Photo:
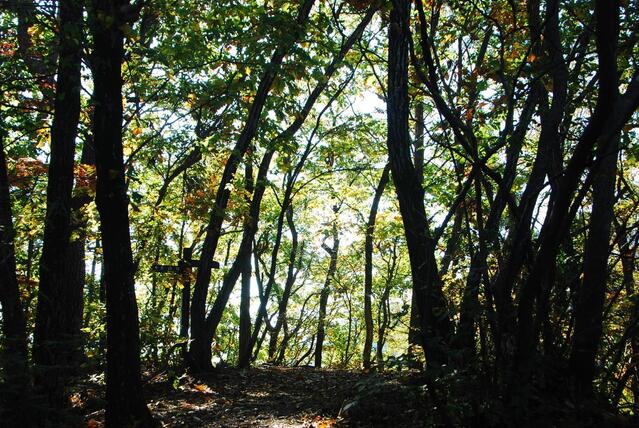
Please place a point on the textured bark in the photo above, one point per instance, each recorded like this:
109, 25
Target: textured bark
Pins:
125, 403
14, 358
434, 318
57, 333
368, 267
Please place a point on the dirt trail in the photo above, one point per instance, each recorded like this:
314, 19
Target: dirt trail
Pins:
256, 397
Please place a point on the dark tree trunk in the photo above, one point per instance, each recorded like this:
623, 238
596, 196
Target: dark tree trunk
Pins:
435, 321
185, 309
244, 351
591, 295
198, 356
605, 122
125, 403
288, 286
57, 333
413, 331
203, 343
368, 268
332, 267
245, 318
15, 387
628, 252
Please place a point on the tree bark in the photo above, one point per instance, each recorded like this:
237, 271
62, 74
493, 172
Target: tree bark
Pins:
434, 318
125, 402
57, 333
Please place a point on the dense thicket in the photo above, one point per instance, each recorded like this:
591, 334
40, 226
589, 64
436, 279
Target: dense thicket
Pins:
435, 185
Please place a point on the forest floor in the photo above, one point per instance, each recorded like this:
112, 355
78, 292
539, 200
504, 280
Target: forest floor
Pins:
270, 397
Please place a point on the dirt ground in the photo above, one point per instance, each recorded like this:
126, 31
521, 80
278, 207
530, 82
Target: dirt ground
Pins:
257, 397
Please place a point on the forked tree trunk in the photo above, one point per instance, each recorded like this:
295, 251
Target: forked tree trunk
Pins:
435, 321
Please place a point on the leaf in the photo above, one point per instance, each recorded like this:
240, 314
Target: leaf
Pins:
203, 388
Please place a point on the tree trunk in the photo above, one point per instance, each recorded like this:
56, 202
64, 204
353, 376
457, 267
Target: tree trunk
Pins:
555, 226
413, 330
125, 403
288, 286
332, 267
76, 259
56, 333
198, 355
245, 298
591, 295
434, 318
14, 361
245, 318
202, 343
368, 268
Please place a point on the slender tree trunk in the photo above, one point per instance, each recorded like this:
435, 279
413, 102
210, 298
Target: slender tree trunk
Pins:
125, 402
592, 293
434, 318
56, 330
368, 267
414, 331
288, 286
76, 258
245, 318
289, 133
203, 342
628, 252
198, 355
245, 298
14, 360
332, 267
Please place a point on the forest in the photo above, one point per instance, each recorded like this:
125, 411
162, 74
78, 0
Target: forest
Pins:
319, 213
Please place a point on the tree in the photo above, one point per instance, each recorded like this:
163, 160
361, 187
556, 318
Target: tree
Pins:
125, 402
57, 330
434, 317
368, 268
15, 387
